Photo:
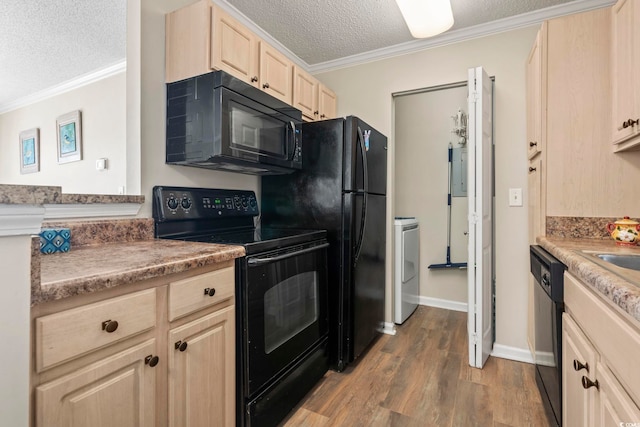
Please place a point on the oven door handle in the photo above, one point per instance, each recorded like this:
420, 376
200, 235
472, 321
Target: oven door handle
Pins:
255, 262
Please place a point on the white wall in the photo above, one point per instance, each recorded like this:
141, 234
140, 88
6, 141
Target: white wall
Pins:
14, 332
422, 134
154, 171
365, 90
103, 135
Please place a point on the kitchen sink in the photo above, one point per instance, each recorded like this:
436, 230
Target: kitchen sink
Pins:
621, 263
625, 261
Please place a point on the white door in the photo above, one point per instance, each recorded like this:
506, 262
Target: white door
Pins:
480, 195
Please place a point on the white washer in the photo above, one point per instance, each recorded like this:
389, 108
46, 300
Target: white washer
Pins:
407, 267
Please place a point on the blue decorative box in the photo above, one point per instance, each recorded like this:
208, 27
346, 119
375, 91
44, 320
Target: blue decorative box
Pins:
55, 240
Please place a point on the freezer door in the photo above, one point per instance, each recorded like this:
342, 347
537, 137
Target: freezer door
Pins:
311, 197
365, 291
365, 158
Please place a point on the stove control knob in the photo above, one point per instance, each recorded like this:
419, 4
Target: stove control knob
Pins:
252, 203
244, 203
172, 203
186, 202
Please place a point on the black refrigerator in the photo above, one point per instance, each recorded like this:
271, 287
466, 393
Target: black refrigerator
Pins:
342, 189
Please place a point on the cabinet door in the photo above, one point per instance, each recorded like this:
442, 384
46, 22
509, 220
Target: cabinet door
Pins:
625, 59
305, 94
615, 407
535, 205
234, 48
578, 404
534, 87
276, 72
202, 373
117, 391
326, 103
187, 42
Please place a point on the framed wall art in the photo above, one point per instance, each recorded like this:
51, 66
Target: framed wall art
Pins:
30, 151
69, 132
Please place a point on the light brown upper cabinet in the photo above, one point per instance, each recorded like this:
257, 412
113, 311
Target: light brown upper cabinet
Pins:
202, 37
536, 94
315, 100
625, 85
234, 48
276, 73
326, 102
305, 93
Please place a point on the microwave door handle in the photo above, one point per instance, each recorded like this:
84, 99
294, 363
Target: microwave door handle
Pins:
254, 262
292, 142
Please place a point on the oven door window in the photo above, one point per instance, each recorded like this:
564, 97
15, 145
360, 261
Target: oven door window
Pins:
285, 312
289, 308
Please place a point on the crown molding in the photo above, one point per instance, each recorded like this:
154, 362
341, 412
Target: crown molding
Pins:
231, 10
20, 220
67, 86
477, 31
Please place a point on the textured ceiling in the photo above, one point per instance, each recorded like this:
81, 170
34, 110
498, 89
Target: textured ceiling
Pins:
44, 43
324, 30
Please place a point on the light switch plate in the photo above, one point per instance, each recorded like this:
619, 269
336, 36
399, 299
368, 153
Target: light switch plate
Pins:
515, 197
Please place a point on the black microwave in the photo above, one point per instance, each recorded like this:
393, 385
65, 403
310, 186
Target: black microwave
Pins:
217, 121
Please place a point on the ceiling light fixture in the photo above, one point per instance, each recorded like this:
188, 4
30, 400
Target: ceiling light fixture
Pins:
426, 18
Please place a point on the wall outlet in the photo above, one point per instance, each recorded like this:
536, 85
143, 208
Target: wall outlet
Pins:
515, 197
121, 190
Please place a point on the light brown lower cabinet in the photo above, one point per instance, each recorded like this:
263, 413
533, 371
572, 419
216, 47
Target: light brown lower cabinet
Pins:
202, 371
117, 391
600, 372
138, 369
579, 359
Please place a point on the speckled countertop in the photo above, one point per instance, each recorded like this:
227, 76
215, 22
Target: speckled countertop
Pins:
105, 253
619, 285
96, 267
41, 194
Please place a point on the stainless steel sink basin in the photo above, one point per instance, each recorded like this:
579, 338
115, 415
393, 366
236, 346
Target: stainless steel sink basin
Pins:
625, 261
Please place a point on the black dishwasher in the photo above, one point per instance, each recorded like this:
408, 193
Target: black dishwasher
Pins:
548, 304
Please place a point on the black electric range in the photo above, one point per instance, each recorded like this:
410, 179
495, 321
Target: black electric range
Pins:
281, 295
220, 216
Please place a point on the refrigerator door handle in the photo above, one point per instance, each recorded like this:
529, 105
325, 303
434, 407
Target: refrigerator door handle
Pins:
365, 170
363, 220
363, 223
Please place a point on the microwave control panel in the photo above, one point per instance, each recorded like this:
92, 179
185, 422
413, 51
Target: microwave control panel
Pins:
171, 203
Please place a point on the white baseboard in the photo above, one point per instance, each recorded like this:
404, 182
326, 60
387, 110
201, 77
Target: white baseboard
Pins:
512, 353
389, 328
545, 358
443, 303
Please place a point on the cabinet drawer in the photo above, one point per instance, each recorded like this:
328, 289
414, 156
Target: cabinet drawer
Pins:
68, 334
188, 295
616, 340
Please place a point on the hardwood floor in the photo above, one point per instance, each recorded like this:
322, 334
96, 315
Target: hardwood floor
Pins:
421, 377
